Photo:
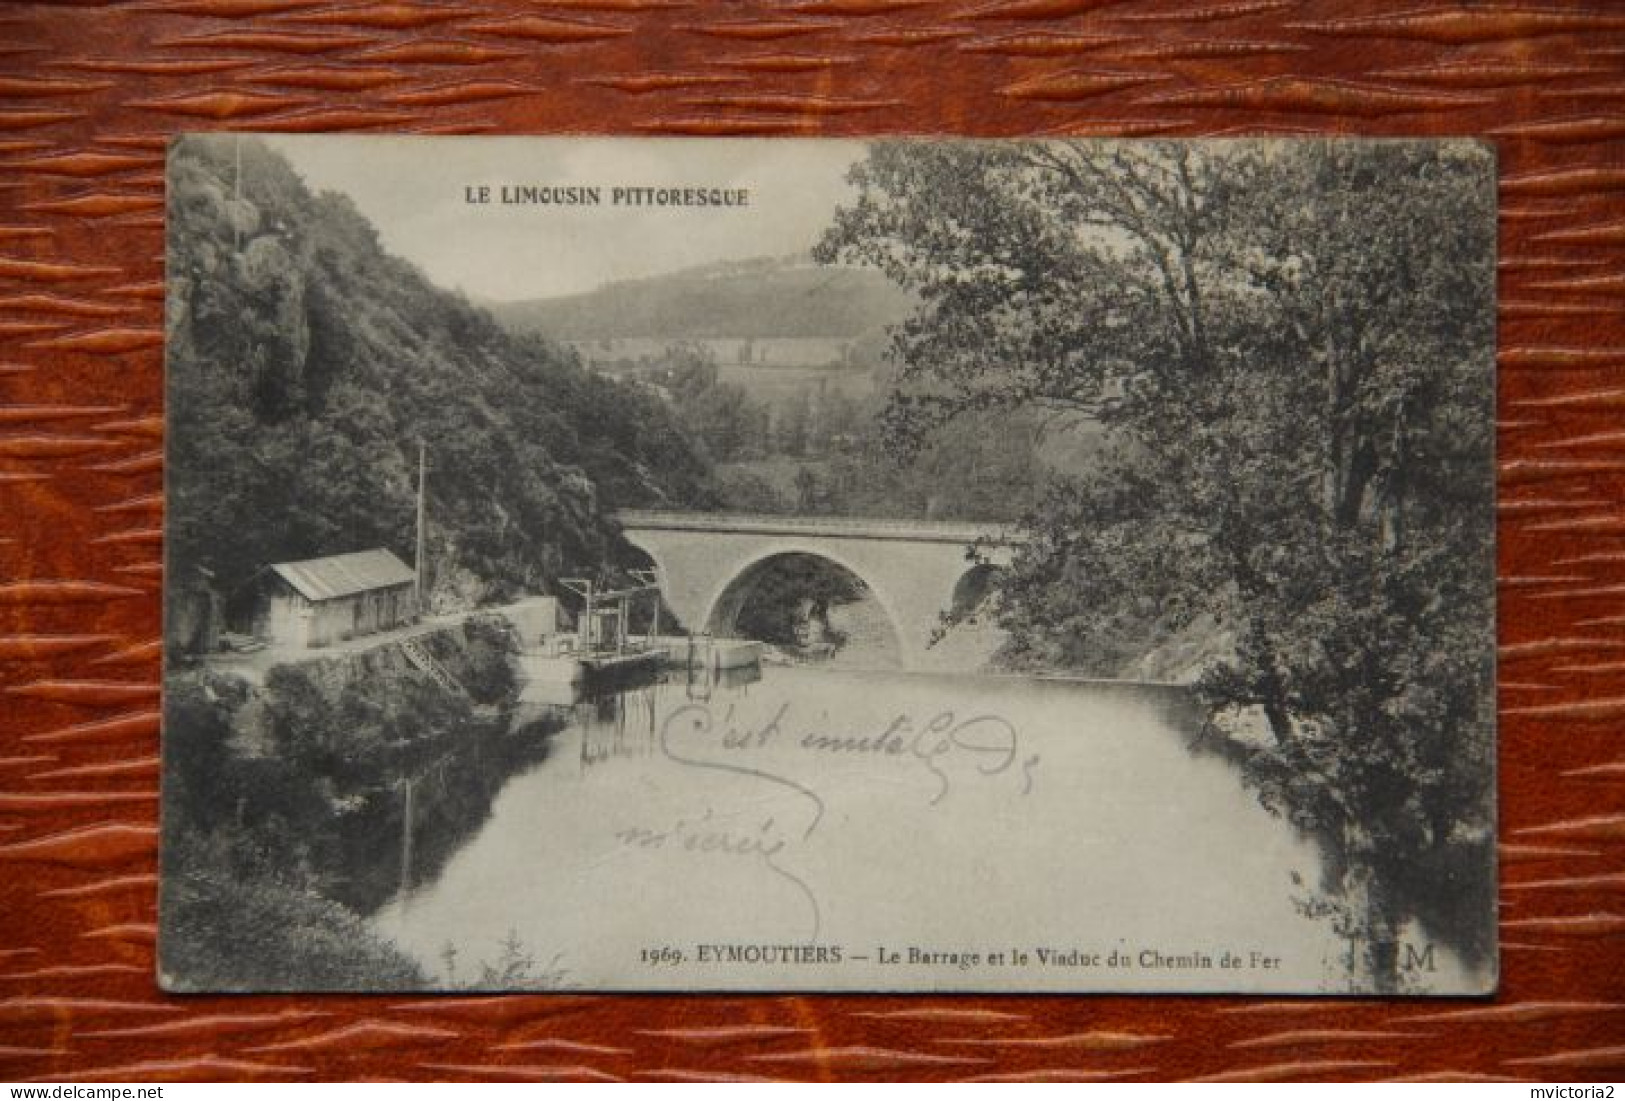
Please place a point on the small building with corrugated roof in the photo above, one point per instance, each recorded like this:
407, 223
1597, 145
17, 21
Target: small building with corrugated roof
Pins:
319, 601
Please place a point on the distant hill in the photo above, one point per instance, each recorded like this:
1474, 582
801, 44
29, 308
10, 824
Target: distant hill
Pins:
785, 296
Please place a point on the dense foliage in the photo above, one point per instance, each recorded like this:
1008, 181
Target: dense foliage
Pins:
306, 365
827, 454
227, 933
285, 806
1289, 346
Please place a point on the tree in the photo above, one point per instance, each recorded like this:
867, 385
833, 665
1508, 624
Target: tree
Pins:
722, 416
1289, 347
796, 425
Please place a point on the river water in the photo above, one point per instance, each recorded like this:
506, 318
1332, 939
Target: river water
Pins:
1000, 833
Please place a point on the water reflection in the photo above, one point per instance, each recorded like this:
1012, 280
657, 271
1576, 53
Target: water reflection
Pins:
853, 811
621, 719
617, 725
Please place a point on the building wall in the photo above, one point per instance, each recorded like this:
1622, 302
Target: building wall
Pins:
284, 621
288, 619
330, 621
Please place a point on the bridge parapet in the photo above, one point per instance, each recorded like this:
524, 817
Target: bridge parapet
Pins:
959, 532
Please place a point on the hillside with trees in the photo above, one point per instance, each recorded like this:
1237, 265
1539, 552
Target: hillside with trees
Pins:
765, 297
306, 365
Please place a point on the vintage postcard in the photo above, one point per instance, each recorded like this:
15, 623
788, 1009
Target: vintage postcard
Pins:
788, 565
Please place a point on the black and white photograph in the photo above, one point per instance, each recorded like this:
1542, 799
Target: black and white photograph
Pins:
901, 565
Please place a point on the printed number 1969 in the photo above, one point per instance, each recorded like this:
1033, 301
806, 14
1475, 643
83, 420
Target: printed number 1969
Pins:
665, 955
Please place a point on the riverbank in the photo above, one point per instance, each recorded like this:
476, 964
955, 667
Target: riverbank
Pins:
296, 806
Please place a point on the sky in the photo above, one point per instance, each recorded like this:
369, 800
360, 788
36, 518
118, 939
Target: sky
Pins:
415, 191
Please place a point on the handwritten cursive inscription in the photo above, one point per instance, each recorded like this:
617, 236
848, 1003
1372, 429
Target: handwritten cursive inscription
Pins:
706, 835
989, 742
697, 737
695, 721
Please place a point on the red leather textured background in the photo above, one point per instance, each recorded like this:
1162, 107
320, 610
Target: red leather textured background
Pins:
90, 93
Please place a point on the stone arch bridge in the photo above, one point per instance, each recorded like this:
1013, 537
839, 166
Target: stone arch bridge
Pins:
915, 569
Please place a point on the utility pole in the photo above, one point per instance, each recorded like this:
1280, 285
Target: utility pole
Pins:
419, 562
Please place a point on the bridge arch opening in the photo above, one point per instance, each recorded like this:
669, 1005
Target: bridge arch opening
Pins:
812, 605
972, 593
